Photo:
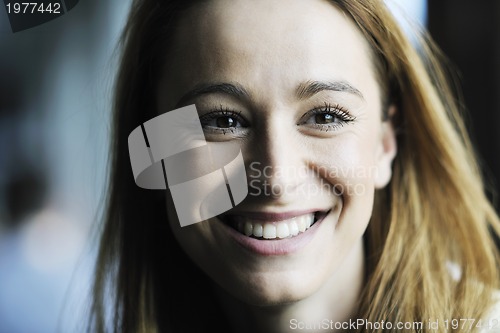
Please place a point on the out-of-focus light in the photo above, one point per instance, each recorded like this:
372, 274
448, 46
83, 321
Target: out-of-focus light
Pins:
51, 240
411, 14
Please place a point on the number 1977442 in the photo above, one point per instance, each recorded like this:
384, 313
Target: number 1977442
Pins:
33, 7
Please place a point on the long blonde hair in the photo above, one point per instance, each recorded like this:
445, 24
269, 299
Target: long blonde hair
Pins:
433, 216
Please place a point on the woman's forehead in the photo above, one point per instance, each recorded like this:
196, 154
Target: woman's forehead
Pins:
269, 44
220, 26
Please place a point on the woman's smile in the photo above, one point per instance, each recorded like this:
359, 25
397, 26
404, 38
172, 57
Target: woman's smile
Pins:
273, 233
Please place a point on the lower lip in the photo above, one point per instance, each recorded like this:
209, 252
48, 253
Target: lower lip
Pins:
274, 247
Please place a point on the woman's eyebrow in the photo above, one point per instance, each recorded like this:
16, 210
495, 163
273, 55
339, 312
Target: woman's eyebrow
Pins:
304, 90
310, 88
231, 89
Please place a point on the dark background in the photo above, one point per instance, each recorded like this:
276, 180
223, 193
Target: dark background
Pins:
469, 34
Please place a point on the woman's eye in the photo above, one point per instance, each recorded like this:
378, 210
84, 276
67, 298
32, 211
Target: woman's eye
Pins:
326, 118
226, 122
223, 121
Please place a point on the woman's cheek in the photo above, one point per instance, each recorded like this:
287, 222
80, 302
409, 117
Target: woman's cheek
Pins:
349, 169
348, 162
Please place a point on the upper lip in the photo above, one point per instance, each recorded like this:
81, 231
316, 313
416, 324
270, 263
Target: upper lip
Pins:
272, 216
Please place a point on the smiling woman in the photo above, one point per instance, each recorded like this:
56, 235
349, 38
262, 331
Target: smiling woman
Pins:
379, 217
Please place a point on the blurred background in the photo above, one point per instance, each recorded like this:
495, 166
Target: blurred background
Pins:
468, 32
55, 89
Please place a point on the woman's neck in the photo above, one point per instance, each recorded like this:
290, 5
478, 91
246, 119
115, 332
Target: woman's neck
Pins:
336, 301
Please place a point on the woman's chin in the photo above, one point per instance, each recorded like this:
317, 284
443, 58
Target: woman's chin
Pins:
269, 291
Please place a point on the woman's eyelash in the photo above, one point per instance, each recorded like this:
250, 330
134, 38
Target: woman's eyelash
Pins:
229, 120
220, 110
336, 110
337, 117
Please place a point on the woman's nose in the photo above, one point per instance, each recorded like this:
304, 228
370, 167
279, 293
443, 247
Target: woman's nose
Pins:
276, 161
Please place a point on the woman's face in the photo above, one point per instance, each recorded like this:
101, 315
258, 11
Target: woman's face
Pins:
292, 82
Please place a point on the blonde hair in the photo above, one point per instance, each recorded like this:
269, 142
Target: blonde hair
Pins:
433, 214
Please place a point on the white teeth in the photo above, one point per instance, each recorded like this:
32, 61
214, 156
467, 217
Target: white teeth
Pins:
248, 228
294, 228
282, 230
258, 230
301, 224
269, 231
309, 220
273, 230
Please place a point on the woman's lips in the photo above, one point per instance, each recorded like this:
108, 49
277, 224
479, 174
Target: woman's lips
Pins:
273, 233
